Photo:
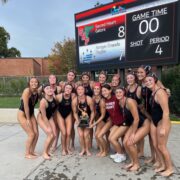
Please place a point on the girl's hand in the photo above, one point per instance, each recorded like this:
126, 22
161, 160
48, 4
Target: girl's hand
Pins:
28, 122
131, 139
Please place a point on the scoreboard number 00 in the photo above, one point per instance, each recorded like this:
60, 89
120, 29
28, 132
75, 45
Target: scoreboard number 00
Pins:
149, 26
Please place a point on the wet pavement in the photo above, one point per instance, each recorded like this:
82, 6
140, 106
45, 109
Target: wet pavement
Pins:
13, 165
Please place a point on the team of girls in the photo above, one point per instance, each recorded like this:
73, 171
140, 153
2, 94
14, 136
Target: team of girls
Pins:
126, 114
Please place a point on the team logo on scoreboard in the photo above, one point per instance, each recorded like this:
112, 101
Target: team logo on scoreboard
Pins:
84, 33
87, 57
117, 10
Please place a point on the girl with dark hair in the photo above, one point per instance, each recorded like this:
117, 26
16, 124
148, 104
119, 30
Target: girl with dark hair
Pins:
26, 116
101, 116
115, 82
137, 127
45, 119
64, 117
56, 90
102, 78
162, 125
83, 111
113, 108
70, 79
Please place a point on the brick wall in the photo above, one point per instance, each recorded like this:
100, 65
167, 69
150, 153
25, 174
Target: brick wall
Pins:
24, 67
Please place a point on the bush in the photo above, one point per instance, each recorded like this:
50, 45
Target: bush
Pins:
171, 80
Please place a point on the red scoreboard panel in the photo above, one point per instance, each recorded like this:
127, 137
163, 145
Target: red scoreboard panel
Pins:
128, 33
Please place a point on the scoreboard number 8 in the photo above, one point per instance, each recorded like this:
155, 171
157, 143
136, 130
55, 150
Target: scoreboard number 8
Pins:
121, 32
148, 26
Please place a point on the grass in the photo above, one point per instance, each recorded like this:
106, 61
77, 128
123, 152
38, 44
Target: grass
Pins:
11, 102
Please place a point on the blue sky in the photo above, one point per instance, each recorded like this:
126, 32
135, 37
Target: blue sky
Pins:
35, 25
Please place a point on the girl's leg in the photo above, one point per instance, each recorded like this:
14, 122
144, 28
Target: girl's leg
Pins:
72, 134
132, 149
159, 162
45, 126
162, 146
98, 129
115, 134
57, 131
87, 140
102, 132
36, 131
82, 141
54, 128
28, 128
62, 126
68, 122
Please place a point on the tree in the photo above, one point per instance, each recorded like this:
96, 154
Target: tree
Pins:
63, 57
4, 50
4, 1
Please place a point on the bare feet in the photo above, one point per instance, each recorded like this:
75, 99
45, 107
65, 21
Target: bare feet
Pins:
88, 153
30, 156
64, 153
128, 166
103, 154
167, 172
69, 152
46, 156
35, 154
99, 153
149, 160
140, 155
134, 168
159, 169
156, 164
82, 153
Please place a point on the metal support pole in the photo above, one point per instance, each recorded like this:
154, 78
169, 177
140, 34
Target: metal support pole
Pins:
159, 72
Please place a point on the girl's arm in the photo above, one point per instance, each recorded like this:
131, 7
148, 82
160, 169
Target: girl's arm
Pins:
91, 105
74, 109
162, 98
103, 112
42, 107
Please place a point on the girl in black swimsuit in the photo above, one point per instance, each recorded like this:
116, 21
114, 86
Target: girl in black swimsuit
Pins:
26, 116
139, 127
45, 119
101, 116
64, 115
161, 120
83, 111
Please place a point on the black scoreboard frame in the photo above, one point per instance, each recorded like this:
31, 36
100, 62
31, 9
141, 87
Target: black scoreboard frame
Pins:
133, 60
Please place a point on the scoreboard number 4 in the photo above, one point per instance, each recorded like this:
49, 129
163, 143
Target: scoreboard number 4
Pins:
159, 50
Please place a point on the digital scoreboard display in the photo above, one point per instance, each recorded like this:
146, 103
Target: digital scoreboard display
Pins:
128, 33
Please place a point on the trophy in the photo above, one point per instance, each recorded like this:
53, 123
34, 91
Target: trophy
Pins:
84, 118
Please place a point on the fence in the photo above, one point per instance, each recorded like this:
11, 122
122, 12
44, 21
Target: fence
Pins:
14, 86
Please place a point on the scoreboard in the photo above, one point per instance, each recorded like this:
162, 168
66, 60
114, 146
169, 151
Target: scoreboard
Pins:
128, 33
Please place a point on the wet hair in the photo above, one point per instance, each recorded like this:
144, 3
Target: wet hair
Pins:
107, 86
104, 73
131, 72
118, 76
79, 84
123, 89
153, 75
73, 71
147, 68
33, 77
66, 84
44, 86
86, 74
